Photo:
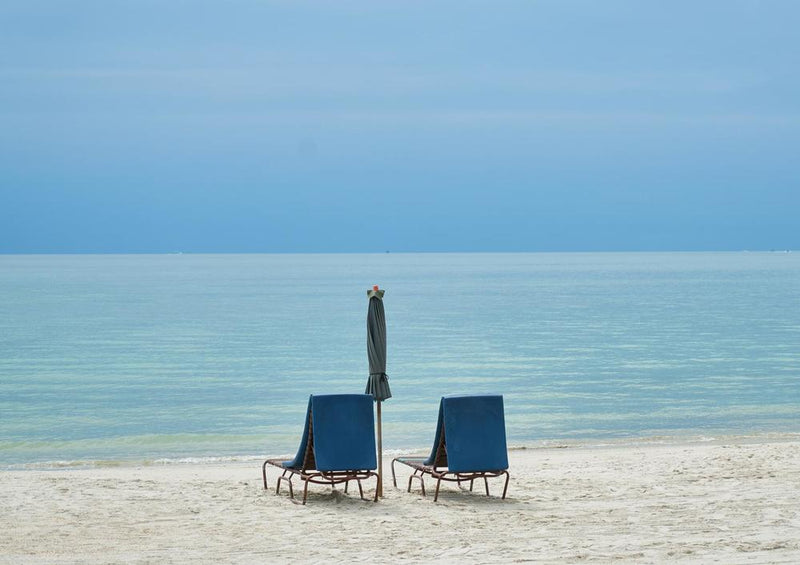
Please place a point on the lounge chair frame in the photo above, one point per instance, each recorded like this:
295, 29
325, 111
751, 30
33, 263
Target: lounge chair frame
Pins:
420, 470
440, 472
308, 474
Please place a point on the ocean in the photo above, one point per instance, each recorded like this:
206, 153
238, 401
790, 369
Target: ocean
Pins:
116, 359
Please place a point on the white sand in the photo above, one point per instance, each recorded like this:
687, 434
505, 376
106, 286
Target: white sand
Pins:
731, 502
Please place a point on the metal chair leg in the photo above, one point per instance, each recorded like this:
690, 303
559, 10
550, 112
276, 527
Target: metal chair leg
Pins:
421, 482
291, 486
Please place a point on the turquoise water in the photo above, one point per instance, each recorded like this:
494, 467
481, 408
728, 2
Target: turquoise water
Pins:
150, 357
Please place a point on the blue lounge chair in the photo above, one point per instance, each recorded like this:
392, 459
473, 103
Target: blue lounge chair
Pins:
338, 444
470, 444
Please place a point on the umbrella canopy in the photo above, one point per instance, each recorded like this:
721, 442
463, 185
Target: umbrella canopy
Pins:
378, 382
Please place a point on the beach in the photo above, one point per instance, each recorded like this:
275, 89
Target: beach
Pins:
730, 500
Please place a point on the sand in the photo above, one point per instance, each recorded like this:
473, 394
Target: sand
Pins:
731, 501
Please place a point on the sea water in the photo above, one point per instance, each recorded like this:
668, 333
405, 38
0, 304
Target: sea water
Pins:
147, 358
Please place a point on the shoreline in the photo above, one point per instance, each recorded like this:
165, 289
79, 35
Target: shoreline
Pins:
588, 443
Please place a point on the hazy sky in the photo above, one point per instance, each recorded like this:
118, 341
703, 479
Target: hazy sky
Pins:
291, 126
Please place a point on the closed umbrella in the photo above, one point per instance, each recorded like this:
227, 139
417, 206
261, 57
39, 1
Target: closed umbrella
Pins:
378, 382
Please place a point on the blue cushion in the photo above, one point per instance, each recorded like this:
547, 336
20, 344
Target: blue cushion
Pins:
344, 432
297, 462
431, 460
475, 433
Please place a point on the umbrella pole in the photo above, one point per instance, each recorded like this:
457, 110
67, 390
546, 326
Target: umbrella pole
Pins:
380, 453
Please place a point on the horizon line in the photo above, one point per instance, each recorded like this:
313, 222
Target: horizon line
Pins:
389, 252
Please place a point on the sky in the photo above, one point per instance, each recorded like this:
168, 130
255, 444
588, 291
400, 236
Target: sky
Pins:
404, 126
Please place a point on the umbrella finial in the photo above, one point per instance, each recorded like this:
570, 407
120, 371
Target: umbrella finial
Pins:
375, 287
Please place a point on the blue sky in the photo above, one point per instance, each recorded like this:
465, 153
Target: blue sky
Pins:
291, 126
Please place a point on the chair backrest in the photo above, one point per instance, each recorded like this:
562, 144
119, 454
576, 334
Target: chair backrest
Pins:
304, 459
343, 432
471, 431
438, 456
